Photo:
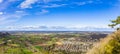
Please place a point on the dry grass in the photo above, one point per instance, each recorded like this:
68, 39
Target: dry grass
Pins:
105, 46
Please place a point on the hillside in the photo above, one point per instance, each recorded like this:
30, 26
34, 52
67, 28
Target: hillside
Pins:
108, 45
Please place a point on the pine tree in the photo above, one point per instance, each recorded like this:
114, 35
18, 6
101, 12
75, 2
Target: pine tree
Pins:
115, 23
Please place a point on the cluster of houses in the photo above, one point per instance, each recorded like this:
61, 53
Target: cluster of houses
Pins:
75, 45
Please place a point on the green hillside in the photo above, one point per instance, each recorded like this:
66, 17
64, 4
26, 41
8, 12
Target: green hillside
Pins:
110, 44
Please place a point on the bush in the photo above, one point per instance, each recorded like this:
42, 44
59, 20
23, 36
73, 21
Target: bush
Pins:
108, 45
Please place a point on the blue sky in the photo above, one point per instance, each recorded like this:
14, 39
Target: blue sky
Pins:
57, 14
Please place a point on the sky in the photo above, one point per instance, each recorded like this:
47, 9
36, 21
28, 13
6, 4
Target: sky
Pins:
78, 15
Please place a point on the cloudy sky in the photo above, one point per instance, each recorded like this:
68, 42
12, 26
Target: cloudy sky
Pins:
57, 14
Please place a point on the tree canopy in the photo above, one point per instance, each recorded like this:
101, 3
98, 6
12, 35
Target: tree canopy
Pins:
115, 22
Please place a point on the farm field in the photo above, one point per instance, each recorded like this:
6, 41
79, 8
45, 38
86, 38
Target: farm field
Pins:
48, 42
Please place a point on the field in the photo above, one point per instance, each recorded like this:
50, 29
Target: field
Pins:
48, 42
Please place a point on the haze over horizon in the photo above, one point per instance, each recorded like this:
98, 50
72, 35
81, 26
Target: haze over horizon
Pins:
47, 15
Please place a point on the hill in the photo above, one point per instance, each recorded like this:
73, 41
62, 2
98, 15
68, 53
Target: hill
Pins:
108, 45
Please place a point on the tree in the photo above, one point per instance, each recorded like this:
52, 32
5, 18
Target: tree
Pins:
115, 23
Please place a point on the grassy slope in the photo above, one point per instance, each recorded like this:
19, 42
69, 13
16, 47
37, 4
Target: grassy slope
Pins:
108, 45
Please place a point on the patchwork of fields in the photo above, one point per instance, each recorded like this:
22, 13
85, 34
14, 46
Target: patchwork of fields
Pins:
48, 43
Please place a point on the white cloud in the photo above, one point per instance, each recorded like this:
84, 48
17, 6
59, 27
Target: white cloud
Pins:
90, 1
84, 3
81, 3
1, 1
54, 5
56, 28
12, 0
43, 11
1, 13
8, 18
27, 3
46, 1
